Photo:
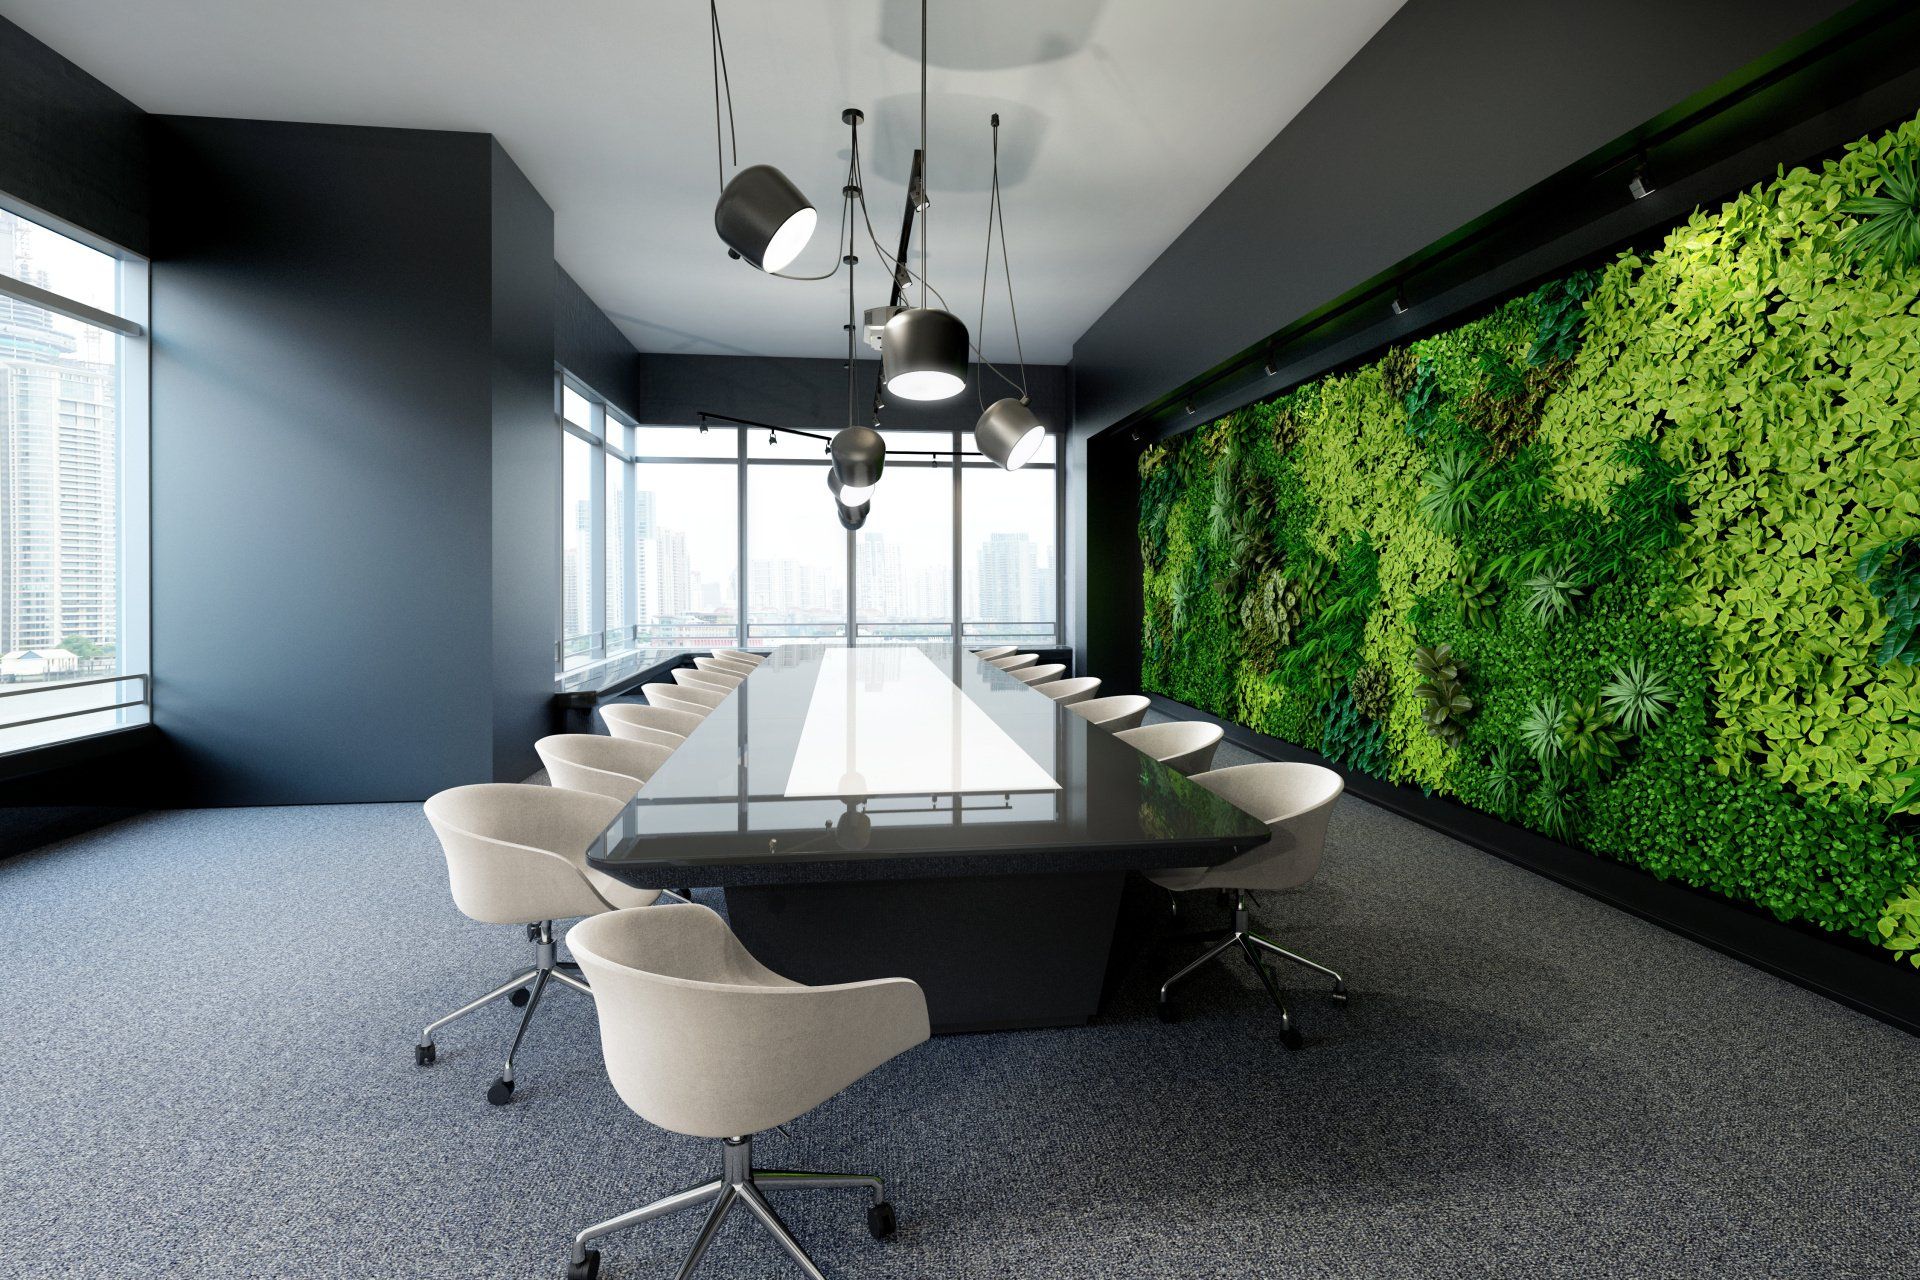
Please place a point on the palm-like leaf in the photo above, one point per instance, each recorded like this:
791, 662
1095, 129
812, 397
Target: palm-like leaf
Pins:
1588, 737
1551, 593
1636, 696
1540, 729
1889, 226
1449, 498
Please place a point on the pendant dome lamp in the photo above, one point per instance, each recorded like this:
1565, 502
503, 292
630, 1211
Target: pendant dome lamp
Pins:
923, 349
761, 216
1008, 432
852, 514
859, 452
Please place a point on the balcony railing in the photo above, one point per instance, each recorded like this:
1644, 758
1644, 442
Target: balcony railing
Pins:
38, 713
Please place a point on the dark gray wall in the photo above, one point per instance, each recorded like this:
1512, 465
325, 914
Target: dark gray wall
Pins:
812, 394
1452, 108
591, 347
327, 364
69, 144
526, 470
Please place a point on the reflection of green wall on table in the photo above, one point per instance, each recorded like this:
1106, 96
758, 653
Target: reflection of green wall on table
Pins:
1634, 504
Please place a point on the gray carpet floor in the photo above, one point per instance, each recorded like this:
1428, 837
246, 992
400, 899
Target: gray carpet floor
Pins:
207, 1070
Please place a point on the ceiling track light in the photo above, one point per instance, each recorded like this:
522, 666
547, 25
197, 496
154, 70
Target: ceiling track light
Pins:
1008, 431
760, 215
1399, 303
1640, 186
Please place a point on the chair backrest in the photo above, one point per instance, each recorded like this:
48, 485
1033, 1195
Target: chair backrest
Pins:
516, 854
1040, 674
1068, 692
701, 1039
1296, 801
997, 651
726, 665
1015, 661
699, 679
683, 697
741, 655
1115, 712
641, 723
1186, 745
612, 767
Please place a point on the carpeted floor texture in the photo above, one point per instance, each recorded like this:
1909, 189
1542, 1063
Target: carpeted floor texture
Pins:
207, 1071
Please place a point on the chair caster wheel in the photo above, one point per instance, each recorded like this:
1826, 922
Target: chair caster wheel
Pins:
500, 1092
519, 998
1338, 995
587, 1270
880, 1220
1291, 1038
1166, 1012
423, 1054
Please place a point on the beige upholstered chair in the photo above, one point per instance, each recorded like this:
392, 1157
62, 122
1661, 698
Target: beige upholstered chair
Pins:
1068, 692
1186, 745
729, 666
997, 651
517, 855
683, 697
741, 655
719, 681
702, 1040
640, 723
1015, 661
1120, 711
1041, 674
610, 767
1295, 801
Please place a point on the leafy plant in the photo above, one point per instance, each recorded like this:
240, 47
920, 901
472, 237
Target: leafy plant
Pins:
1348, 738
1551, 593
1268, 617
1647, 509
1590, 740
1889, 226
1444, 704
1423, 400
1479, 599
1507, 404
1636, 697
1397, 369
1899, 925
1891, 571
1540, 729
1372, 691
1448, 501
1159, 488
1506, 779
1561, 308
1559, 812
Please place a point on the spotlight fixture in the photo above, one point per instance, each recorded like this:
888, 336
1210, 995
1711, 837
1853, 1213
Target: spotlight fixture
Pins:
1268, 369
1640, 187
1192, 408
761, 216
1399, 304
1009, 432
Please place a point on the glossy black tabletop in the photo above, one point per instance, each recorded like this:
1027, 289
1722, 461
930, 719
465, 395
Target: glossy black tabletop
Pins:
802, 774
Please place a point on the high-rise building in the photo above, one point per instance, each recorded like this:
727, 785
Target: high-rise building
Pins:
59, 455
672, 573
645, 607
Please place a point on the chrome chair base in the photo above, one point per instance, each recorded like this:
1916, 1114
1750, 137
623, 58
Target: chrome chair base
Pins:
739, 1183
547, 967
1250, 943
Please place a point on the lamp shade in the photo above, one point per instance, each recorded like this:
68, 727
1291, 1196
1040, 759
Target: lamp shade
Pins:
763, 217
859, 456
852, 517
923, 354
1009, 433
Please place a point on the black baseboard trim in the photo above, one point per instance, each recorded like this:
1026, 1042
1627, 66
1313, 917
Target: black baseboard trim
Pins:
1839, 969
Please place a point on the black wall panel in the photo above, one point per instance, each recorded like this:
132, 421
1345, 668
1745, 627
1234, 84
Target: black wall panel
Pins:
591, 347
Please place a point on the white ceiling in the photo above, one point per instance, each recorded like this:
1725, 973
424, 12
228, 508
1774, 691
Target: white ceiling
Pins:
1121, 120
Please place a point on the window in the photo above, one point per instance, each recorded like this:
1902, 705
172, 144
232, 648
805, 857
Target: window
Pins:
73, 486
684, 564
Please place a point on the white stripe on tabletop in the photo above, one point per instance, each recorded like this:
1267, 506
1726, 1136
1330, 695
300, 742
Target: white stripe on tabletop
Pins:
884, 721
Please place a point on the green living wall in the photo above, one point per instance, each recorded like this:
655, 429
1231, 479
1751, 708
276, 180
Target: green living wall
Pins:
1633, 561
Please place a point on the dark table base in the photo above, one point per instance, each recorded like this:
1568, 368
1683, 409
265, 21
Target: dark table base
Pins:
992, 953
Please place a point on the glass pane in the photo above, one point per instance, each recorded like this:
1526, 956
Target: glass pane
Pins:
797, 557
616, 534
576, 408
686, 520
686, 442
1007, 552
904, 555
31, 253
576, 508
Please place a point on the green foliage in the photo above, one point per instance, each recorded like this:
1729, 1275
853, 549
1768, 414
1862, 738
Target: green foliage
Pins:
1540, 730
1636, 697
1551, 592
1589, 740
1890, 222
1899, 925
1892, 573
1444, 704
1448, 501
1632, 505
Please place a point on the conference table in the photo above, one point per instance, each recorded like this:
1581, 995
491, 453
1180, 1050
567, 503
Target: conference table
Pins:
908, 810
